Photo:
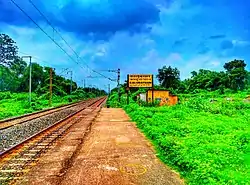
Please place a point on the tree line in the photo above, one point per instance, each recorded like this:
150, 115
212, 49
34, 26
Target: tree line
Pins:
14, 74
235, 77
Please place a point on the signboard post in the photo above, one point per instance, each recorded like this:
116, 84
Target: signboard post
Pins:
127, 91
140, 80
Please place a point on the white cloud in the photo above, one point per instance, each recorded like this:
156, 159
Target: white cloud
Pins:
174, 57
100, 54
240, 43
102, 49
148, 42
209, 62
215, 63
153, 61
84, 52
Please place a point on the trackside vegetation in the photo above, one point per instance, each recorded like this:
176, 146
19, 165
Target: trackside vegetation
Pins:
15, 104
208, 143
14, 84
206, 137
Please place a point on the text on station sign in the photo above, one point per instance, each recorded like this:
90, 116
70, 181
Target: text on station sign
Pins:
140, 80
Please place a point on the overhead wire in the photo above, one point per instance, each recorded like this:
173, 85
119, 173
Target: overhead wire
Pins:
59, 74
54, 40
31, 2
46, 62
42, 30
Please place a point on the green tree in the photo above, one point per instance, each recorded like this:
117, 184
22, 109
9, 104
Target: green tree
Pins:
206, 80
9, 80
194, 73
248, 79
6, 79
169, 77
18, 66
8, 50
236, 73
37, 78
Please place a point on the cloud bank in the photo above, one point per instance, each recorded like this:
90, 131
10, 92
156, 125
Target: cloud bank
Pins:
89, 19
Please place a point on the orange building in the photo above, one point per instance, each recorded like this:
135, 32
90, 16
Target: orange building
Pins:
163, 96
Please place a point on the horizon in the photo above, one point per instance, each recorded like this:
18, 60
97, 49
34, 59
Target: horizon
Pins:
142, 35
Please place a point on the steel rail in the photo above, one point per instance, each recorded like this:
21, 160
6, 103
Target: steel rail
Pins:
19, 159
37, 112
49, 127
54, 110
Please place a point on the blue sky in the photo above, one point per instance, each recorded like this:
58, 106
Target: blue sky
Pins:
138, 36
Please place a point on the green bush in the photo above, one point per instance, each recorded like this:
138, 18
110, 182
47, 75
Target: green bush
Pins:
5, 95
207, 142
14, 104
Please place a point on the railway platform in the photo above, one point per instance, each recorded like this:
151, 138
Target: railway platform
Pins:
104, 148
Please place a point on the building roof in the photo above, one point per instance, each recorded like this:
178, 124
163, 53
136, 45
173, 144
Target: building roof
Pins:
162, 90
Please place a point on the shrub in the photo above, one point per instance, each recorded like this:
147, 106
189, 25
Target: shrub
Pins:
208, 143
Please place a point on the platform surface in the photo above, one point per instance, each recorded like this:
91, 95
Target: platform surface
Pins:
105, 148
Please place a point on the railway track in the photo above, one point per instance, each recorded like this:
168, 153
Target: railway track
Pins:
28, 117
19, 159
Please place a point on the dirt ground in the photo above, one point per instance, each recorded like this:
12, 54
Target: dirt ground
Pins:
105, 148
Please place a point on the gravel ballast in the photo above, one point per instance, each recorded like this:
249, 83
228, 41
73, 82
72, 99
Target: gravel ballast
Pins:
15, 134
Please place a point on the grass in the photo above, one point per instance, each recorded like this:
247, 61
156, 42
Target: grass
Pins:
15, 104
208, 143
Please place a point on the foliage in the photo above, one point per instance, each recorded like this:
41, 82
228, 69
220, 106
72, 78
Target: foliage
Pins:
235, 78
14, 74
206, 79
206, 141
236, 73
15, 104
14, 82
169, 77
8, 50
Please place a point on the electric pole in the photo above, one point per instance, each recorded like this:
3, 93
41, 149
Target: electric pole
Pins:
29, 76
71, 73
118, 80
83, 84
118, 84
30, 79
71, 82
109, 89
50, 87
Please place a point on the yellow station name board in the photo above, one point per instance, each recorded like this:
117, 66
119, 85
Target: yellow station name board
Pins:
140, 80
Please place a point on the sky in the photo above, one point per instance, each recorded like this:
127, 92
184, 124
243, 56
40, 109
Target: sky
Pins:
137, 36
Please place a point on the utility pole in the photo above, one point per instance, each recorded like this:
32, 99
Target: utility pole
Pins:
71, 73
118, 80
71, 82
96, 90
50, 87
30, 79
109, 89
118, 84
29, 76
84, 85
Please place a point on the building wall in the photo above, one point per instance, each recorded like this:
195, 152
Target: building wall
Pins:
173, 100
163, 96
